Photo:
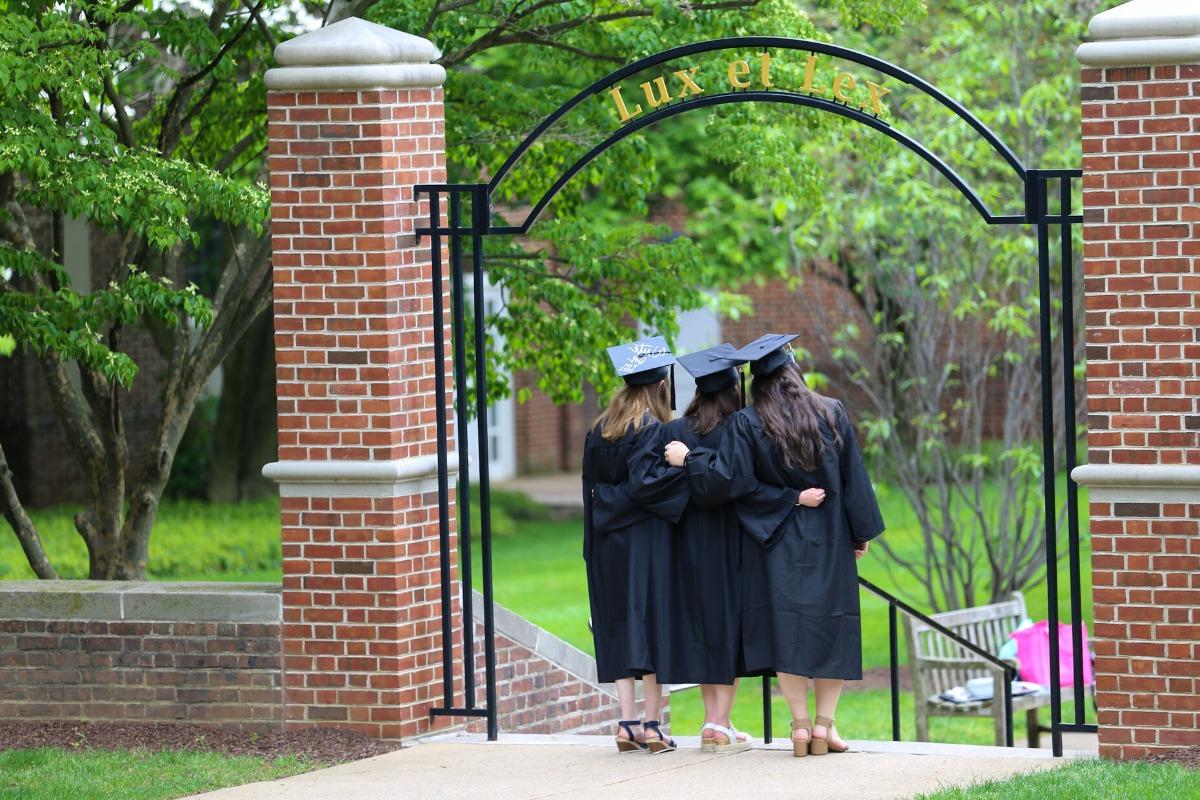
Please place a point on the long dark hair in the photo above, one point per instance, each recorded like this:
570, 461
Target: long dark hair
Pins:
791, 413
706, 411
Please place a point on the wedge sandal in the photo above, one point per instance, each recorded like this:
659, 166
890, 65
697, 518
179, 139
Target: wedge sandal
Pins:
630, 745
659, 744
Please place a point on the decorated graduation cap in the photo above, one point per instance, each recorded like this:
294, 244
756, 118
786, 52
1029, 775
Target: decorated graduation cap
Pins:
645, 361
768, 353
714, 369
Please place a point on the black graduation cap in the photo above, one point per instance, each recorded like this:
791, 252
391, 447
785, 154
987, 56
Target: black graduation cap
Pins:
768, 353
644, 361
714, 369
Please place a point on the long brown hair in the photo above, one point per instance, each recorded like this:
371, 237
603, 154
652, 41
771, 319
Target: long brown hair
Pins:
706, 411
791, 412
629, 405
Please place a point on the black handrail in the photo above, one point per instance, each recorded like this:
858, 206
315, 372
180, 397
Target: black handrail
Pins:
896, 603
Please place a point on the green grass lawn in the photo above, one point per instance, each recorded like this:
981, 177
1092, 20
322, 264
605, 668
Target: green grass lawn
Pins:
1090, 780
191, 541
54, 774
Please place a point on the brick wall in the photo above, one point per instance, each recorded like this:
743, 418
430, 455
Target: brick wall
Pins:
118, 651
209, 654
544, 685
549, 435
1141, 143
224, 674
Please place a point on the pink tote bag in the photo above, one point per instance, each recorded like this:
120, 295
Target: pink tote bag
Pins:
1033, 651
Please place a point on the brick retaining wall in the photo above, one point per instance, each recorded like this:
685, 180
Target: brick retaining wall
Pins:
202, 653
209, 654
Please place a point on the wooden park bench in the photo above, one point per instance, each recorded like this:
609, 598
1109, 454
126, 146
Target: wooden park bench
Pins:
938, 664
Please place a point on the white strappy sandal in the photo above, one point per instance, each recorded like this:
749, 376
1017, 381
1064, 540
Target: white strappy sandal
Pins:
733, 744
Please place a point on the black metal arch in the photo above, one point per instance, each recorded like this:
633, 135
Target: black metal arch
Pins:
777, 43
449, 226
760, 96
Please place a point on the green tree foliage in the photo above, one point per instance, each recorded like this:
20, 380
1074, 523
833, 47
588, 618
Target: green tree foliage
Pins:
942, 323
133, 118
595, 264
148, 120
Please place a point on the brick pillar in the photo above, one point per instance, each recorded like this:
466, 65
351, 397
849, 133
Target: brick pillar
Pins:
355, 115
1141, 145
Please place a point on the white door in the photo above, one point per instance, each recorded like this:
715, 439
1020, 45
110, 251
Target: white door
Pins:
698, 329
502, 434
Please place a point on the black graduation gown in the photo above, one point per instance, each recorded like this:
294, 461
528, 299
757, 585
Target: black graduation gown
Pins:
809, 596
708, 556
627, 547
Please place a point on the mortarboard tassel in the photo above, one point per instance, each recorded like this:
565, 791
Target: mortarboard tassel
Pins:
672, 387
742, 376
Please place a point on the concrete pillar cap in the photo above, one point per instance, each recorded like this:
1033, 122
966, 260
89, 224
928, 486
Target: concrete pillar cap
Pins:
1143, 33
356, 54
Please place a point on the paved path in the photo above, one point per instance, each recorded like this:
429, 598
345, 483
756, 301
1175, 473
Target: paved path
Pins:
586, 767
559, 490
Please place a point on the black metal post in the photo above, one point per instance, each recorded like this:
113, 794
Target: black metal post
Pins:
894, 670
461, 421
479, 222
439, 366
766, 701
1009, 675
1037, 210
1068, 349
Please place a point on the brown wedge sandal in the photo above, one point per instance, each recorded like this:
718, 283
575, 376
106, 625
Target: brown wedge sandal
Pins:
657, 744
800, 748
630, 745
822, 746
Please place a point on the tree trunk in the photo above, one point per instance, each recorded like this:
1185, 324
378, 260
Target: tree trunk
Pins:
22, 525
244, 435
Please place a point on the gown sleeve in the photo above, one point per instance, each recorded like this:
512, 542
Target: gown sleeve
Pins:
726, 475
720, 475
653, 483
613, 508
858, 496
606, 506
646, 489
588, 533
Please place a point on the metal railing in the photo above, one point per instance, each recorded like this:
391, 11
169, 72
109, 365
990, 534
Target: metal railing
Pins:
894, 604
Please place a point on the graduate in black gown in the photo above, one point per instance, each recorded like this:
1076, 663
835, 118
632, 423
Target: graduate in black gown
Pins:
709, 554
628, 521
793, 436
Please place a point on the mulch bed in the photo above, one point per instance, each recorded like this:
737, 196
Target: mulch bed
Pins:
324, 745
1188, 757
